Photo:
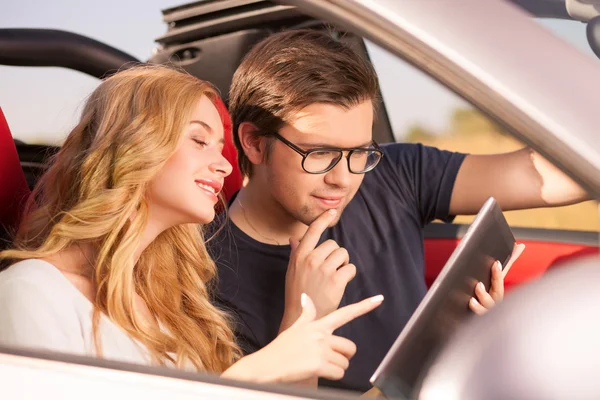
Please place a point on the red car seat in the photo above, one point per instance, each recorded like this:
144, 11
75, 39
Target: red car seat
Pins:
13, 186
234, 181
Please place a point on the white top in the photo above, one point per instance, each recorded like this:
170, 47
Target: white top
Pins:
41, 309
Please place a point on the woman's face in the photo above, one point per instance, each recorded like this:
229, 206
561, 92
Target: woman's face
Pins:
186, 188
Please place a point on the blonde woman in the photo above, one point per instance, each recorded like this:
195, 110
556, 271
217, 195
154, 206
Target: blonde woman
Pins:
109, 261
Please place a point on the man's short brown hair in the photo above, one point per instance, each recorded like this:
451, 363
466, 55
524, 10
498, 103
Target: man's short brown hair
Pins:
290, 70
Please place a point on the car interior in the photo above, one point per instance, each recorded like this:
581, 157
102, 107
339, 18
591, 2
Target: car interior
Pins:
14, 185
195, 39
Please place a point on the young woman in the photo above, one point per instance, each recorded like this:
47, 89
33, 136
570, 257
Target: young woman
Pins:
110, 261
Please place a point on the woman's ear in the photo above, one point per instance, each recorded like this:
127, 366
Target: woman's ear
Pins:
254, 146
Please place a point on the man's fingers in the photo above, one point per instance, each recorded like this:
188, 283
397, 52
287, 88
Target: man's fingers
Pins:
483, 297
315, 230
346, 314
497, 288
517, 251
318, 256
346, 273
342, 345
294, 243
476, 307
336, 259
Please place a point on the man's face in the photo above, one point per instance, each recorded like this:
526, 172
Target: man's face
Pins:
306, 196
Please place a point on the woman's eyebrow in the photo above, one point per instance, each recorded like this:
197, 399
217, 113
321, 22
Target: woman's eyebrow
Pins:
208, 128
204, 124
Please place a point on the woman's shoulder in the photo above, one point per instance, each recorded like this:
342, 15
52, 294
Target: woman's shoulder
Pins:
38, 309
30, 272
34, 282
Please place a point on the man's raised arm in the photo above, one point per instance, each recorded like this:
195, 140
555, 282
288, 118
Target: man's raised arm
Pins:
518, 180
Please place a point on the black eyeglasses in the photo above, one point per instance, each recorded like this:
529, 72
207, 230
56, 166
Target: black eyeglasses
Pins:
321, 160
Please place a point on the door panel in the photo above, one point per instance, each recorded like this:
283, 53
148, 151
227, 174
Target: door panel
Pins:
545, 249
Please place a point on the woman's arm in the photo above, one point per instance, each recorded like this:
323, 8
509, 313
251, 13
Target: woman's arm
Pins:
309, 343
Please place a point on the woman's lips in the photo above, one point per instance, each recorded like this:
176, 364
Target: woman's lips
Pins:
209, 190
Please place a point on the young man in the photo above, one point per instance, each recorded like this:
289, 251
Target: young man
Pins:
302, 107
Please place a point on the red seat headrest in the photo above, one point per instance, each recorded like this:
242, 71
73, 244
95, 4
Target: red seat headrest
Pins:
14, 190
233, 182
13, 186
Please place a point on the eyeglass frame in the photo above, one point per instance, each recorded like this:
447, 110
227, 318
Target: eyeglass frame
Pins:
350, 150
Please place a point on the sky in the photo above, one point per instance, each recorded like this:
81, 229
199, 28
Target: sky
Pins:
43, 104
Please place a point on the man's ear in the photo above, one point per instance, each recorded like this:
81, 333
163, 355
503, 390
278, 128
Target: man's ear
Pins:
254, 146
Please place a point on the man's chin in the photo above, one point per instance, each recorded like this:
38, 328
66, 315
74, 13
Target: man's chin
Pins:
309, 218
335, 221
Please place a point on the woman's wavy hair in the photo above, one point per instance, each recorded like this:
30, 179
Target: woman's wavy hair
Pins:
94, 193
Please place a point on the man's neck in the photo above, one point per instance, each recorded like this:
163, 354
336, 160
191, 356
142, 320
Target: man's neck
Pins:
262, 218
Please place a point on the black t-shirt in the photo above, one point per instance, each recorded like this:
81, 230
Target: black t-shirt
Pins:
382, 229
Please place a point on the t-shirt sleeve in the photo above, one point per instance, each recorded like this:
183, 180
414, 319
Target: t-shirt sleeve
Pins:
33, 317
429, 173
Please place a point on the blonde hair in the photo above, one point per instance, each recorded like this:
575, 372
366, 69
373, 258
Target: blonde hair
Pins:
94, 193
